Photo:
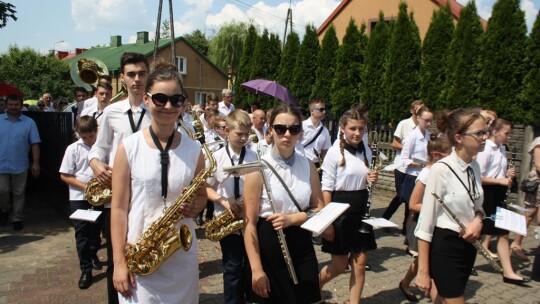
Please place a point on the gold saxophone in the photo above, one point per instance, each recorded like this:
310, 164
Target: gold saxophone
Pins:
161, 239
96, 193
222, 225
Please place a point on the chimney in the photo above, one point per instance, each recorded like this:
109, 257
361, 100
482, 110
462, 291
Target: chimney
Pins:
79, 51
116, 41
61, 54
142, 37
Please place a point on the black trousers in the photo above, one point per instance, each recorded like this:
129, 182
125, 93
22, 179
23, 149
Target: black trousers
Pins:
396, 201
86, 236
234, 279
112, 294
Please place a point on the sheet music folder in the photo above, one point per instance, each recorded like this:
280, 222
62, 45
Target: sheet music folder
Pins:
319, 222
85, 215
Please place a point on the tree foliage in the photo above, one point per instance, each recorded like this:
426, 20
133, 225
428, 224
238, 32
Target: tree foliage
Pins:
435, 56
401, 79
344, 90
371, 92
288, 60
503, 68
326, 67
530, 96
264, 63
7, 10
226, 46
306, 64
35, 74
165, 31
198, 40
243, 74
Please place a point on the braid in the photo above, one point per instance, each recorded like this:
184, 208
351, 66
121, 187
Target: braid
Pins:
342, 148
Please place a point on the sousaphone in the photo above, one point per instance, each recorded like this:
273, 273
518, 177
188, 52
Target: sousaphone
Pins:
85, 73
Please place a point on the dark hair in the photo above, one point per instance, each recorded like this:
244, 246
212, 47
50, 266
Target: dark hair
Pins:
349, 115
86, 124
208, 113
211, 97
440, 144
285, 108
256, 104
105, 78
79, 89
422, 110
361, 108
105, 85
164, 72
459, 121
14, 97
132, 58
440, 119
416, 103
314, 101
498, 124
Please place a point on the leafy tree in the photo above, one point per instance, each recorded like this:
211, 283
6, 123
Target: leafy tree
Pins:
35, 74
371, 87
326, 67
344, 90
288, 60
226, 47
260, 66
165, 31
198, 40
240, 94
464, 61
274, 52
7, 10
530, 96
306, 64
435, 56
401, 81
503, 68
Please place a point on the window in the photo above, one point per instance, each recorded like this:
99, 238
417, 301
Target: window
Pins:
181, 64
373, 22
200, 98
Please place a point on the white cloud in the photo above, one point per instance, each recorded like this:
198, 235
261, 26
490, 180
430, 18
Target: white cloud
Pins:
94, 15
192, 16
531, 11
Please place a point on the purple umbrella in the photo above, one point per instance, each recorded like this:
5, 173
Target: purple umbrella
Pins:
270, 88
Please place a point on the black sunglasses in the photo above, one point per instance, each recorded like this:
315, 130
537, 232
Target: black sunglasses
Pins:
161, 99
282, 129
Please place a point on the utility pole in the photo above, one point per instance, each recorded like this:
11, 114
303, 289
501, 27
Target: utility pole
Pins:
288, 23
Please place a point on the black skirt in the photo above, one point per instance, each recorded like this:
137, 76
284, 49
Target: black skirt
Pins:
282, 288
451, 259
407, 187
347, 237
493, 197
410, 238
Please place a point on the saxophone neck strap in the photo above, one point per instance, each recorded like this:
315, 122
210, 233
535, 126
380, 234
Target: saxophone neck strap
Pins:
472, 183
282, 183
135, 127
236, 178
164, 153
321, 127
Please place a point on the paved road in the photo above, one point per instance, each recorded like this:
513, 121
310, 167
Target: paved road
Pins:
39, 265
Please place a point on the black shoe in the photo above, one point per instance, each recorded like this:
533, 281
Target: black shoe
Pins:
198, 220
521, 282
96, 263
316, 240
86, 280
4, 217
409, 297
368, 267
18, 226
474, 272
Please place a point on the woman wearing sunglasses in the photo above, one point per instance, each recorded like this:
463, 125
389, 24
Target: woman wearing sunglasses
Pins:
152, 167
270, 277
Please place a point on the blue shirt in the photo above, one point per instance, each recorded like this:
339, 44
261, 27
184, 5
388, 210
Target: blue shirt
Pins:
16, 139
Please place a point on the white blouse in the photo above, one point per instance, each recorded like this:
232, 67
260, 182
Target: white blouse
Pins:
444, 183
492, 160
414, 149
350, 177
404, 128
295, 172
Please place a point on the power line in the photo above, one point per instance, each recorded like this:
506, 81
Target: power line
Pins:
249, 6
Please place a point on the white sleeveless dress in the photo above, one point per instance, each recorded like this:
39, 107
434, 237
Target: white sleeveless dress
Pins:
177, 279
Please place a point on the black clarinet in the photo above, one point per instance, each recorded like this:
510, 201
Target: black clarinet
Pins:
374, 166
511, 164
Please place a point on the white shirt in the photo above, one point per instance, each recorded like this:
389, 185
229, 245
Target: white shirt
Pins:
350, 177
492, 160
261, 147
444, 183
90, 102
75, 162
260, 135
403, 129
223, 110
94, 112
218, 181
323, 141
114, 127
423, 176
414, 148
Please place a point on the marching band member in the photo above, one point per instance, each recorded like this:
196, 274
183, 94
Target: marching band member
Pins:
270, 276
496, 180
149, 188
444, 252
316, 138
345, 176
103, 96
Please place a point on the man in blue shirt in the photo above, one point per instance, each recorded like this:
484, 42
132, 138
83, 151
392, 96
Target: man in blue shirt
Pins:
19, 135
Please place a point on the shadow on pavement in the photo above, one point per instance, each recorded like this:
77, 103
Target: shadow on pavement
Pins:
10, 243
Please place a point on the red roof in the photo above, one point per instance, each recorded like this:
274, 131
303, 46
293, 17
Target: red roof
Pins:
455, 9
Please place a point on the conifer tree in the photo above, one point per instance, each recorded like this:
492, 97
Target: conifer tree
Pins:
435, 56
401, 81
464, 61
348, 70
288, 60
274, 51
244, 71
371, 87
326, 66
304, 69
530, 96
503, 67
260, 60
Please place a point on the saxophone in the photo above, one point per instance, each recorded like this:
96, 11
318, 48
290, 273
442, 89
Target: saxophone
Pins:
222, 225
161, 239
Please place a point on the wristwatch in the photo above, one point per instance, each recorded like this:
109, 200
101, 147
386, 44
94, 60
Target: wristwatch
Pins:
310, 213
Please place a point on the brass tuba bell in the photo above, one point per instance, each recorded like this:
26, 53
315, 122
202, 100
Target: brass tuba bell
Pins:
86, 72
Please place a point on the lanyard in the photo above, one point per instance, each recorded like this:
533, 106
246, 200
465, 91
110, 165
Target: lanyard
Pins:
135, 128
236, 178
98, 114
164, 153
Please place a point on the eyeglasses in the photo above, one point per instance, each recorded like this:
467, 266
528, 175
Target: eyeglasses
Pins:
320, 109
161, 99
478, 134
282, 129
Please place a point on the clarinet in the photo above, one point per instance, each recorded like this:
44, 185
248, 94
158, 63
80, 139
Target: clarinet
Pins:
514, 182
463, 229
374, 166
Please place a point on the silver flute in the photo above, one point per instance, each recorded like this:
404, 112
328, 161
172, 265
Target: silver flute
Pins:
463, 229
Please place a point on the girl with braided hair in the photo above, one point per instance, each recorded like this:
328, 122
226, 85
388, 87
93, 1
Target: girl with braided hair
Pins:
345, 177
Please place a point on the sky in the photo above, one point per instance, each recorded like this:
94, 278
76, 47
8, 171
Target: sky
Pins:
64, 25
